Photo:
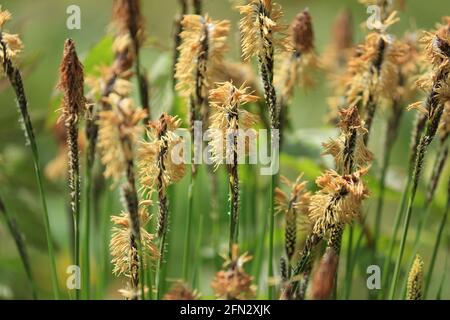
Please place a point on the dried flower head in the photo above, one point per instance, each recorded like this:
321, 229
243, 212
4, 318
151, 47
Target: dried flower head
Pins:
118, 131
71, 83
296, 67
436, 81
338, 201
415, 280
302, 33
260, 28
127, 18
11, 45
233, 283
295, 207
162, 156
228, 117
373, 71
180, 291
349, 149
120, 246
202, 50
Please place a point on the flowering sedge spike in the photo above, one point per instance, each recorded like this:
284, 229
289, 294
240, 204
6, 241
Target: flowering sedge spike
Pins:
203, 44
373, 72
261, 34
181, 291
71, 84
232, 282
295, 207
125, 257
437, 48
10, 48
228, 122
128, 19
296, 67
177, 37
349, 150
299, 63
415, 280
118, 132
338, 201
159, 163
73, 104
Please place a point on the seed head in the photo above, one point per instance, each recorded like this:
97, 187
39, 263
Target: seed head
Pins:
162, 155
11, 45
228, 116
120, 248
203, 42
260, 28
180, 291
71, 84
338, 201
118, 131
302, 32
349, 149
415, 280
233, 283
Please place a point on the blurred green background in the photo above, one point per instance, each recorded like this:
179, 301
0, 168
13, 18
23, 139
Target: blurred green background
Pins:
42, 27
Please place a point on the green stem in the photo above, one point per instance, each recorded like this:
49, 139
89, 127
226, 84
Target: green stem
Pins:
21, 247
435, 249
380, 200
348, 266
86, 238
187, 241
271, 233
15, 79
387, 263
160, 271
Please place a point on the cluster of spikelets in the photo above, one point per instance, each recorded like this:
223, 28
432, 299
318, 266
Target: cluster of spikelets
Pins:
295, 207
233, 283
118, 126
227, 118
11, 45
203, 42
120, 238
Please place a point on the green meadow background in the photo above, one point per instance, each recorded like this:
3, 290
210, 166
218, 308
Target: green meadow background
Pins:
42, 27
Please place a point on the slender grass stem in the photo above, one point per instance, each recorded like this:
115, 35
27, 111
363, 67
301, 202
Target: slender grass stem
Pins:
380, 200
160, 271
435, 249
348, 265
21, 247
398, 216
16, 82
86, 236
271, 233
187, 241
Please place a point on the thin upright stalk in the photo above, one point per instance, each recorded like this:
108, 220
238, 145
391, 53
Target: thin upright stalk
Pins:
393, 240
21, 247
87, 230
188, 228
442, 225
16, 82
271, 232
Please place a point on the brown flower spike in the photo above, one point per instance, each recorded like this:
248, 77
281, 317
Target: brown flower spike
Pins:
295, 207
233, 283
124, 253
203, 45
161, 163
